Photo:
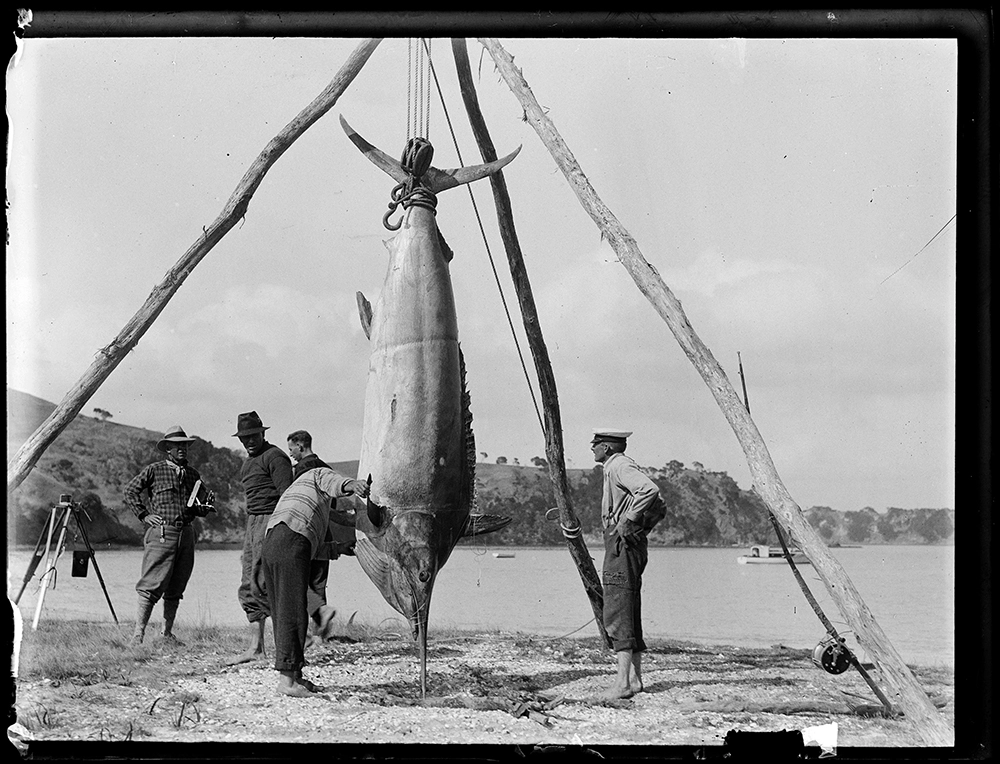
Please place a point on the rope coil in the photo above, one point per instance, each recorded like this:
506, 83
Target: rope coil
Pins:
416, 159
567, 531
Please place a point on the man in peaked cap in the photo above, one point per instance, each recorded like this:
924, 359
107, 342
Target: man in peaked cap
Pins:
265, 475
168, 541
630, 506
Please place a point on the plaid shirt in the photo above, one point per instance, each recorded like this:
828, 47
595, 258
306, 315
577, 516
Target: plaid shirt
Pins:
167, 486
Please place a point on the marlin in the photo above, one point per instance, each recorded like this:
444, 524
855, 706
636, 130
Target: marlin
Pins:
418, 452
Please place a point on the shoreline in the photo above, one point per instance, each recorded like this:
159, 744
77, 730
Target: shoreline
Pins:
494, 688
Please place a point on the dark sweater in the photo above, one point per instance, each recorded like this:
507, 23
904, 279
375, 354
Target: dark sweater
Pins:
265, 477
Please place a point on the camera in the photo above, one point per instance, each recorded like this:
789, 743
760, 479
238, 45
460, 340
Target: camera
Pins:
65, 500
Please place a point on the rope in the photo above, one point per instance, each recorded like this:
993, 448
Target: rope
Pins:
489, 253
550, 639
567, 531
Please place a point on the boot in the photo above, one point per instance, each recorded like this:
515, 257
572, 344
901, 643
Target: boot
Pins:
169, 614
142, 614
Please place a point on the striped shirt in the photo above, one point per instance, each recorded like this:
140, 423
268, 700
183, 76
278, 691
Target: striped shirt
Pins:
167, 486
304, 506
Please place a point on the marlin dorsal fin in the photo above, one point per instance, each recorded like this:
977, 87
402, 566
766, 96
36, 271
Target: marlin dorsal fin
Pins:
434, 179
469, 438
365, 311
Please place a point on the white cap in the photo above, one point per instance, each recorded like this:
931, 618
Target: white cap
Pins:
605, 434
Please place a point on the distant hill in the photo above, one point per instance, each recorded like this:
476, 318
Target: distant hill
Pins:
92, 459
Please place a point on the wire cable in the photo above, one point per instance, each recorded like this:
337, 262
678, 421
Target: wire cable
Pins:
482, 230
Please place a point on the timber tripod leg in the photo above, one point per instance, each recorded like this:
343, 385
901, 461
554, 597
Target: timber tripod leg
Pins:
93, 559
36, 556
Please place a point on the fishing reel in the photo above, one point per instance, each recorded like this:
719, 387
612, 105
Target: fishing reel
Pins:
832, 655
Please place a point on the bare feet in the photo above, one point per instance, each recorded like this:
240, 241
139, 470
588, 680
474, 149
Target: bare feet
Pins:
618, 692
255, 651
292, 684
309, 685
249, 656
324, 616
295, 690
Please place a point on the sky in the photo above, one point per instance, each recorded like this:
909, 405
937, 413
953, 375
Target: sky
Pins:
784, 189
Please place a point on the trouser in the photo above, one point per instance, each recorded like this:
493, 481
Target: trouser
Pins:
166, 564
319, 570
252, 592
286, 573
622, 579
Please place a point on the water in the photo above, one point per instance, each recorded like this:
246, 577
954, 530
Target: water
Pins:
699, 595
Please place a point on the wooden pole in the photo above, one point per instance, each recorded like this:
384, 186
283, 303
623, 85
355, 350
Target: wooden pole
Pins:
540, 354
110, 356
904, 690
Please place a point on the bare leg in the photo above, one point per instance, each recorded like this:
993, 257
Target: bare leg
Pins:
287, 685
622, 687
256, 649
635, 673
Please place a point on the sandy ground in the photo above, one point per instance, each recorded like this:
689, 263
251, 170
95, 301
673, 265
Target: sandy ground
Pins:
498, 689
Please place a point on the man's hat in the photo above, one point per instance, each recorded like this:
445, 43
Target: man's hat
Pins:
175, 434
602, 435
248, 424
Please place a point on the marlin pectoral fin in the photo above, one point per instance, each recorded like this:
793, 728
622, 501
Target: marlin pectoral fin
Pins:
480, 524
375, 563
434, 179
365, 311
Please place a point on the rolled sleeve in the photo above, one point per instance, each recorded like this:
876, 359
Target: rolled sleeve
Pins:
133, 492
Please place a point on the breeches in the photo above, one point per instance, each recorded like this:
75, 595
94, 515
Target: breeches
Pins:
253, 592
166, 564
622, 579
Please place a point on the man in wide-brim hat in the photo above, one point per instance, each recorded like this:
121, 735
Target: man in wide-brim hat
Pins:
168, 541
266, 474
630, 506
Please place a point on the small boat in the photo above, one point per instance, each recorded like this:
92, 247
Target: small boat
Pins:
503, 555
762, 554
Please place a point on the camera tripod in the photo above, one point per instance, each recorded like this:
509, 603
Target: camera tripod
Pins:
59, 518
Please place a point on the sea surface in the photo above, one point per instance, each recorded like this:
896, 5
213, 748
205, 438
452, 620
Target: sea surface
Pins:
691, 594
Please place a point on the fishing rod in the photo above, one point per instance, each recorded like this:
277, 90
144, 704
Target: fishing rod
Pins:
832, 654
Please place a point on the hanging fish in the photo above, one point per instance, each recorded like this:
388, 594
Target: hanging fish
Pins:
417, 450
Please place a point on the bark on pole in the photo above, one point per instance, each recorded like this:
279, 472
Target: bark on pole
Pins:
903, 689
110, 356
533, 330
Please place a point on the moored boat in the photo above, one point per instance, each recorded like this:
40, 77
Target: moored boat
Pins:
761, 554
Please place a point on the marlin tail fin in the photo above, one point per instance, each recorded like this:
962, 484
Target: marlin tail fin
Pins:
434, 179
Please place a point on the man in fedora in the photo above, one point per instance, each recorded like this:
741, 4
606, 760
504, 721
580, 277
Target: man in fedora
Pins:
265, 475
630, 506
168, 542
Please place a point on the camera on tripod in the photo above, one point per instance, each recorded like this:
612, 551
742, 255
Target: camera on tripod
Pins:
50, 546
